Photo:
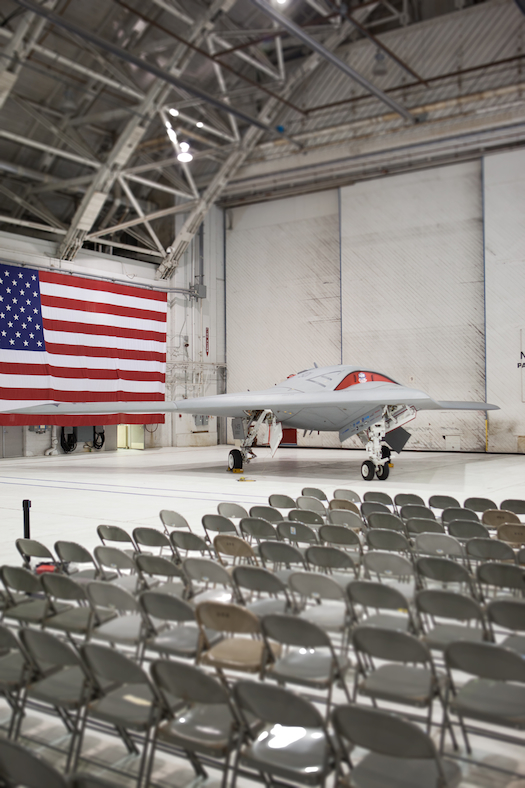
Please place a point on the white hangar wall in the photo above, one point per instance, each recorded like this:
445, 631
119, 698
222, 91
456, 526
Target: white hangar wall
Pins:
504, 181
386, 274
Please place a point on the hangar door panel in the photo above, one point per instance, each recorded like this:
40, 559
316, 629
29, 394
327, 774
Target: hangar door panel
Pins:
412, 292
282, 290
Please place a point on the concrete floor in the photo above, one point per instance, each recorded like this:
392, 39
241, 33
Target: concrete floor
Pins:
71, 495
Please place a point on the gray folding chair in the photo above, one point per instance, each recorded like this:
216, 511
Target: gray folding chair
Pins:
217, 524
284, 559
311, 504
185, 542
458, 513
343, 537
347, 495
515, 505
423, 525
261, 591
308, 759
512, 533
233, 511
401, 755
269, 513
170, 519
443, 502
498, 578
127, 627
508, 615
114, 533
78, 618
394, 570
205, 722
15, 670
25, 601
404, 499
386, 520
280, 501
345, 517
296, 533
241, 648
462, 530
375, 496
208, 580
115, 560
257, 529
439, 614
377, 604
161, 574
411, 510
497, 693
307, 656
171, 625
150, 537
369, 507
479, 505
238, 550
332, 561
306, 516
343, 504
439, 545
314, 492
322, 601
30, 548
77, 561
387, 539
19, 766
493, 518
446, 574
477, 550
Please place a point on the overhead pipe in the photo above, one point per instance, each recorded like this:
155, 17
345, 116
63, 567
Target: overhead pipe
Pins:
299, 33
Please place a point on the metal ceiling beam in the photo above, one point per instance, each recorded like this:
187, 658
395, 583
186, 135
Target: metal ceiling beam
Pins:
150, 217
7, 135
328, 55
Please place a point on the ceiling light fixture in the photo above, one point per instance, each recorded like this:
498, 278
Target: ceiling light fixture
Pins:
199, 124
174, 112
184, 155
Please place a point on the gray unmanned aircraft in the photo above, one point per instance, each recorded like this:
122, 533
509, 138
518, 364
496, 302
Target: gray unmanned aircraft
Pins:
344, 399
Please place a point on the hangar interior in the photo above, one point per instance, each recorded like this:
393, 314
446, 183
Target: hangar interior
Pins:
305, 182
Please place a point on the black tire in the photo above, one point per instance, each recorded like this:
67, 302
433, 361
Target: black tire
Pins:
368, 470
383, 471
235, 460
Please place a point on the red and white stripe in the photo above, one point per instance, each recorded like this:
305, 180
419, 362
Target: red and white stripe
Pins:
105, 342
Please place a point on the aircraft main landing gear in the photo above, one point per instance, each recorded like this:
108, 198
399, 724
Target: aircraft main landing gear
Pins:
235, 460
245, 430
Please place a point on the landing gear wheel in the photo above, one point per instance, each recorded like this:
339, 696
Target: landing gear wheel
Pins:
235, 460
368, 470
383, 471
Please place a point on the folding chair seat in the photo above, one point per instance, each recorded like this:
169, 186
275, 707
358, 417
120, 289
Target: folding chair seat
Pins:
279, 501
127, 626
343, 504
233, 511
496, 693
78, 618
15, 671
478, 549
367, 596
283, 558
19, 766
375, 496
258, 529
234, 547
344, 538
126, 699
60, 680
314, 492
493, 518
401, 755
115, 560
261, 591
311, 504
411, 510
394, 570
462, 530
307, 655
114, 533
509, 614
439, 614
386, 539
423, 525
26, 601
446, 574
160, 574
185, 542
386, 520
351, 520
205, 724
440, 545
407, 499
204, 575
171, 625
443, 502
322, 601
458, 513
150, 537
217, 524
336, 563
241, 648
496, 578
479, 505
407, 675
347, 495
30, 548
73, 557
515, 505
369, 507
278, 751
170, 519
297, 533
305, 516
512, 533
269, 513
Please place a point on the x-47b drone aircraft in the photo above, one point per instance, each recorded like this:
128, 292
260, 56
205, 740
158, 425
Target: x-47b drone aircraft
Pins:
344, 399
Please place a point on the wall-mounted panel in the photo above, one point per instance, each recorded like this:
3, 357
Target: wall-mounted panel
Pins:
412, 273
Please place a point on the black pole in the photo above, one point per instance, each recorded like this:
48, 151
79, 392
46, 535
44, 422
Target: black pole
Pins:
26, 505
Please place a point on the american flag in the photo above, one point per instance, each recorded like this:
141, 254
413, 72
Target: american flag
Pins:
70, 339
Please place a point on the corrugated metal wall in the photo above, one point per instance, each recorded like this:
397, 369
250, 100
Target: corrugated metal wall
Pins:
504, 178
412, 263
